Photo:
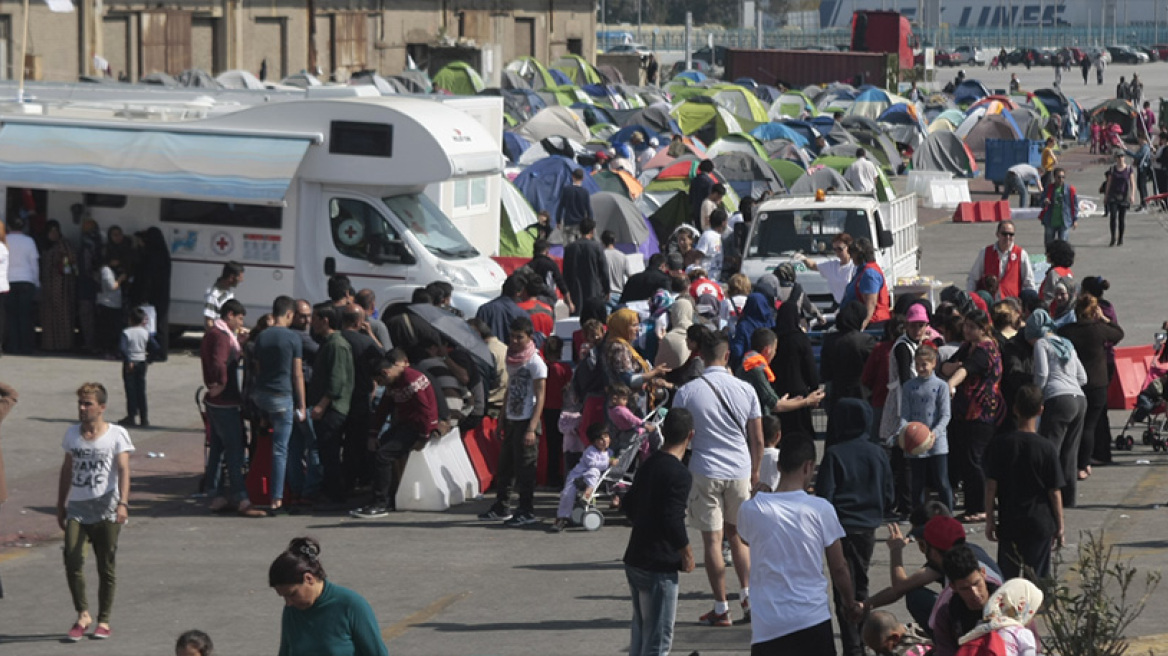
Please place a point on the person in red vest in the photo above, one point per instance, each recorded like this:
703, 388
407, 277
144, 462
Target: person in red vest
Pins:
1005, 260
543, 317
868, 285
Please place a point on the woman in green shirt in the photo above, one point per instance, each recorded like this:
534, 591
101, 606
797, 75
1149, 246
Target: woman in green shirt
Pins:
320, 618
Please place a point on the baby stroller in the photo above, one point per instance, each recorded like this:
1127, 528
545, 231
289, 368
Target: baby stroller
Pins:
614, 481
1151, 408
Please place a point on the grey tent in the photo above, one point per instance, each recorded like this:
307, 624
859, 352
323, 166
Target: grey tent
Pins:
990, 126
555, 121
945, 151
655, 117
748, 174
384, 87
415, 80
610, 74
617, 213
512, 80
821, 178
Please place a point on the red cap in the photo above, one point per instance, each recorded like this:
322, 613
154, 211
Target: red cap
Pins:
944, 532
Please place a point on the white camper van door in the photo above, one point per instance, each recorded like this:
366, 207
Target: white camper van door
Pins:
367, 248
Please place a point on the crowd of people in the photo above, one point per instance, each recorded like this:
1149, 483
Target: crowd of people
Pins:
80, 294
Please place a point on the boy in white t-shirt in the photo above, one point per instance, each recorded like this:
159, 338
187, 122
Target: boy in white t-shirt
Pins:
91, 504
710, 245
772, 432
522, 407
789, 531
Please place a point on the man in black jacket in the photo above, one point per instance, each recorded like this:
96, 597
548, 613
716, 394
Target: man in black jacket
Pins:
641, 286
658, 544
585, 267
549, 272
575, 207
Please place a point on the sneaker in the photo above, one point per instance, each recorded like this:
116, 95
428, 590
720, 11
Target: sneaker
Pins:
521, 519
746, 611
101, 633
558, 526
715, 619
497, 512
76, 633
369, 512
126, 421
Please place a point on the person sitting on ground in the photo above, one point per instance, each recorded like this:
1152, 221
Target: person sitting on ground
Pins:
887, 636
961, 612
1007, 616
585, 475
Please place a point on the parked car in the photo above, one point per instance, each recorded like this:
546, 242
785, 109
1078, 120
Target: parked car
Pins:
1126, 55
629, 49
1076, 55
1153, 56
967, 56
1096, 52
1161, 49
1019, 56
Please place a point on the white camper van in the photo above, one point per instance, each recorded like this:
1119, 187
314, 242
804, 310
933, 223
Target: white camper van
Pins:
295, 191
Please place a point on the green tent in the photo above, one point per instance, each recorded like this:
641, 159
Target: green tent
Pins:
787, 170
529, 68
459, 79
739, 142
565, 95
705, 118
578, 70
670, 216
516, 215
884, 190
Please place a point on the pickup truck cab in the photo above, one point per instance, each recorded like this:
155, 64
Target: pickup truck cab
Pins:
787, 226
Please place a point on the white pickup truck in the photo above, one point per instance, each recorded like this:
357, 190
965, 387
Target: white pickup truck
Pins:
789, 225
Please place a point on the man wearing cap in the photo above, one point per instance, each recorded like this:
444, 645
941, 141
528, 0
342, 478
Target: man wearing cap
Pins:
1006, 260
939, 535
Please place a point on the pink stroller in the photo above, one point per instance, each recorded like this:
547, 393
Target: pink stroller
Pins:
1151, 407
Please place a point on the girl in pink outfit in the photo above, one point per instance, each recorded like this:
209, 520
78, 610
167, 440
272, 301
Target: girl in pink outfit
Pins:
586, 474
627, 423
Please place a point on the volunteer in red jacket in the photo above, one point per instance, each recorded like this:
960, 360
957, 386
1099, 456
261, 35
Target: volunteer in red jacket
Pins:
868, 285
1006, 260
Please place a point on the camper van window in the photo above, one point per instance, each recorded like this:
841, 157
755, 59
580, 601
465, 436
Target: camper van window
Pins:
176, 210
809, 231
113, 201
360, 231
430, 226
366, 139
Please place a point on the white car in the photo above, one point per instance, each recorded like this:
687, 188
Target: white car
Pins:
967, 56
629, 49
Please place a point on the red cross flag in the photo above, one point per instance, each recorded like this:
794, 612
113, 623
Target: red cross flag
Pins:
60, 6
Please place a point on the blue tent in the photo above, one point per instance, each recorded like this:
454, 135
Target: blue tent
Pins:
694, 76
560, 77
969, 92
824, 123
594, 114
809, 131
772, 131
542, 183
748, 82
899, 114
514, 145
872, 94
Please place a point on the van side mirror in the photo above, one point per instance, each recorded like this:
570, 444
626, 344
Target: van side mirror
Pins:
884, 239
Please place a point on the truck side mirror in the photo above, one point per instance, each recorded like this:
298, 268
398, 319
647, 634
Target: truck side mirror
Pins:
884, 239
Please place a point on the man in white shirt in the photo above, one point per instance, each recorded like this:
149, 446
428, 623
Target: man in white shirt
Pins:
1018, 180
862, 173
727, 455
618, 267
837, 272
711, 203
710, 244
222, 291
24, 277
788, 532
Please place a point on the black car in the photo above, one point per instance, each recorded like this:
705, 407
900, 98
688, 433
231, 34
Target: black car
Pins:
1019, 56
1124, 55
704, 54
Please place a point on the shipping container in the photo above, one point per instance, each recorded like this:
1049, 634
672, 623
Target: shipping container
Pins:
799, 68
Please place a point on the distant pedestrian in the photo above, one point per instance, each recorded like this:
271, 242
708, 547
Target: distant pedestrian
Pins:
92, 504
223, 289
24, 278
1100, 65
575, 206
135, 347
658, 545
1085, 67
586, 267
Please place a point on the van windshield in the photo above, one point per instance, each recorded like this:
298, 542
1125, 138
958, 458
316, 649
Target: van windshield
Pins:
784, 232
430, 226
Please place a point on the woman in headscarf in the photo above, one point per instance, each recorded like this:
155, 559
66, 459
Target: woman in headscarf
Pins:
844, 352
623, 364
1091, 333
1010, 612
975, 374
757, 313
794, 368
58, 290
657, 324
1060, 374
673, 350
152, 285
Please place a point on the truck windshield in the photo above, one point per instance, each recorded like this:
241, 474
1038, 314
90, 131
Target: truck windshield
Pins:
784, 232
430, 226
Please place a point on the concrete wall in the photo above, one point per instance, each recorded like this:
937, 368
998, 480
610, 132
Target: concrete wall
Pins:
228, 34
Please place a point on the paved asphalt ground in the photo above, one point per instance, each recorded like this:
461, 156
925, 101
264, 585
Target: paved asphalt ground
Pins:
444, 583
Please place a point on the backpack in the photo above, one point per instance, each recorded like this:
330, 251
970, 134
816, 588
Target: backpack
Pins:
989, 644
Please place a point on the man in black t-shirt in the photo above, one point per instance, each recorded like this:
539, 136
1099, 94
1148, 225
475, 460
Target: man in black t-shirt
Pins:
957, 615
641, 286
658, 545
1023, 474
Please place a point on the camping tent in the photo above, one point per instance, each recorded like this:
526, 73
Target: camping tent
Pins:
736, 143
822, 177
564, 95
945, 151
514, 146
578, 70
416, 80
903, 124
620, 215
618, 182
514, 217
969, 92
1120, 112
458, 78
792, 104
552, 146
789, 172
871, 103
748, 174
990, 126
884, 190
704, 118
555, 122
773, 131
671, 215
543, 183
532, 72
